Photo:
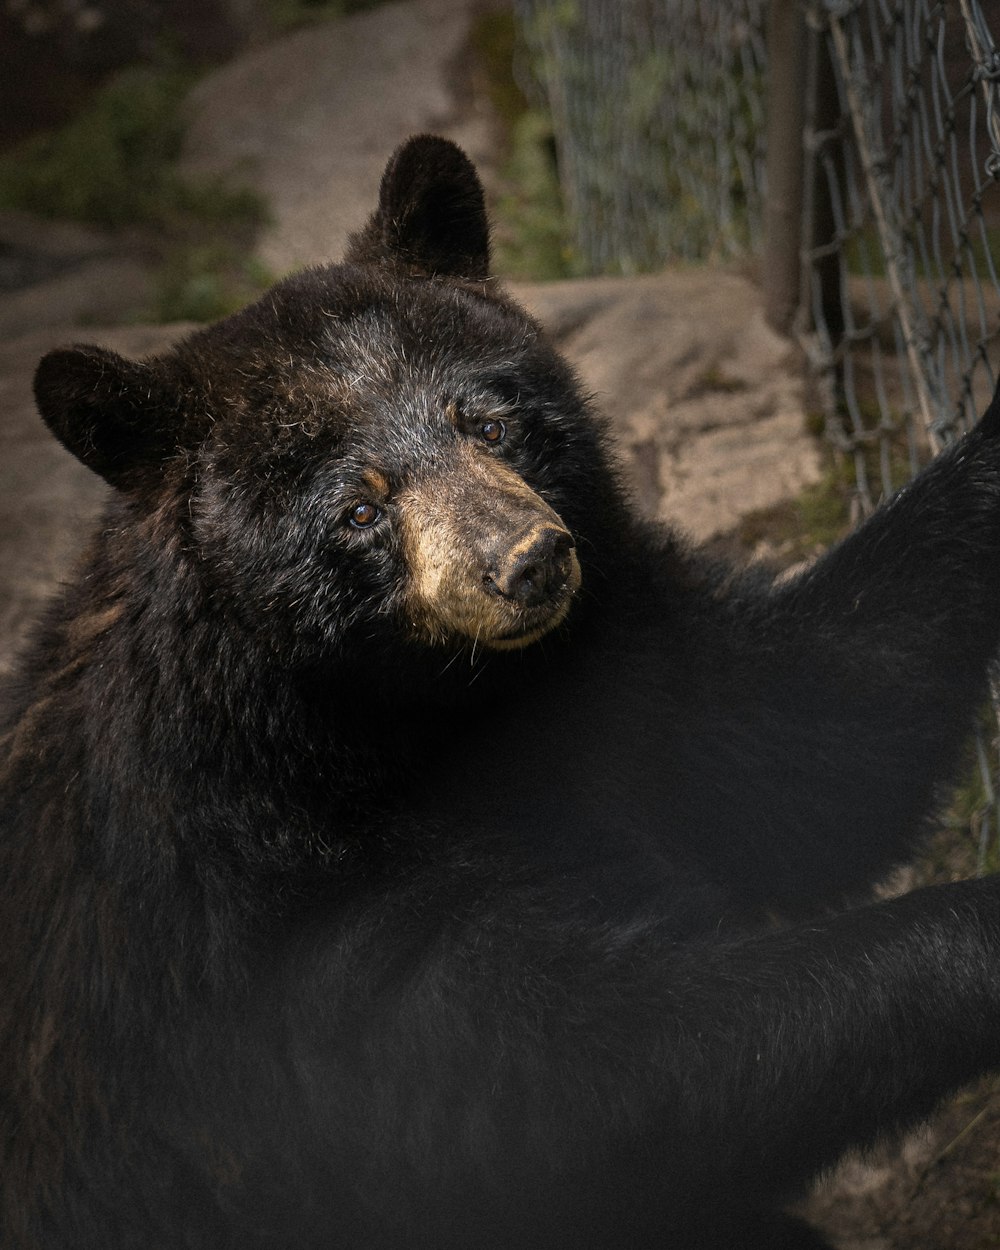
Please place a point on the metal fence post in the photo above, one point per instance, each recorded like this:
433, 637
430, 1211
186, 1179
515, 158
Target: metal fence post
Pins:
822, 287
786, 61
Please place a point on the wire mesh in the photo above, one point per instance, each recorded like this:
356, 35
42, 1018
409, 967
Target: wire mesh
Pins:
905, 324
657, 110
903, 238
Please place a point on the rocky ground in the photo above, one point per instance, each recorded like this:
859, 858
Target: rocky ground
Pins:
707, 402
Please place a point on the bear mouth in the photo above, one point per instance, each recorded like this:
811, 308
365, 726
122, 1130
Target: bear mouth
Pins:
527, 635
539, 621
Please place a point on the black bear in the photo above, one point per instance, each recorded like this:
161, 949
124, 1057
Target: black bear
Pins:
404, 845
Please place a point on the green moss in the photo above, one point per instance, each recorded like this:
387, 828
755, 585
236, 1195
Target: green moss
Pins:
530, 235
815, 422
111, 164
206, 281
824, 509
932, 257
712, 380
798, 529
115, 166
493, 41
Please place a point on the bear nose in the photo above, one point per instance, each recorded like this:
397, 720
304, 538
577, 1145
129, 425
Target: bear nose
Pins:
534, 569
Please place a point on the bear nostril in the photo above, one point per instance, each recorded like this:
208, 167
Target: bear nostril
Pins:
562, 548
528, 580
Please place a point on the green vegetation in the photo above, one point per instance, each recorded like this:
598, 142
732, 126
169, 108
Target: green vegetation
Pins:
930, 254
798, 529
114, 165
111, 164
531, 238
531, 234
494, 42
204, 281
958, 848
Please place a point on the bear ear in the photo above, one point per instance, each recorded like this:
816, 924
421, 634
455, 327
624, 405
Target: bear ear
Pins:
431, 214
118, 416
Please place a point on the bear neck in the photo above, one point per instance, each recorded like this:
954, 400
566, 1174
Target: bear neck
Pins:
200, 749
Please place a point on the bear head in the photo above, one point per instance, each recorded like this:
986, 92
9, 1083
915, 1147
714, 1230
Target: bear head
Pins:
386, 444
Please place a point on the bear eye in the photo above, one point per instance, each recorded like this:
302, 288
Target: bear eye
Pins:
363, 515
493, 431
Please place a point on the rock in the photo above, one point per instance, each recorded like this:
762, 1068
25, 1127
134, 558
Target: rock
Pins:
56, 272
309, 119
706, 400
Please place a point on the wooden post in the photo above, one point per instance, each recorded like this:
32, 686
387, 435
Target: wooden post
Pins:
786, 68
822, 296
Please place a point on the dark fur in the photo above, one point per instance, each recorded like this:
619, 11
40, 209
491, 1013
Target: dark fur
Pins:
317, 934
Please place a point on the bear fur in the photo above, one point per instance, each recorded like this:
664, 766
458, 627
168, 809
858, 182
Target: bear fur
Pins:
403, 844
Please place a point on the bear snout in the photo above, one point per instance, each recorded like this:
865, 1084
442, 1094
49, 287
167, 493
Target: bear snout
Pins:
534, 569
488, 560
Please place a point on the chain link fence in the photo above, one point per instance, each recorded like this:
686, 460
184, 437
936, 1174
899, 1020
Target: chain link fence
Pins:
658, 114
901, 301
905, 198
658, 111
661, 112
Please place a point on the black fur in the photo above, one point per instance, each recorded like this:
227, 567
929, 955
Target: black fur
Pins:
316, 934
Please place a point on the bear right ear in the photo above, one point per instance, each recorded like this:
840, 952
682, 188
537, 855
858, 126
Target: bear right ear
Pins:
118, 416
431, 215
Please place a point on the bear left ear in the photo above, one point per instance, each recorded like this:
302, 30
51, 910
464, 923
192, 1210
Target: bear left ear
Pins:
431, 214
120, 417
